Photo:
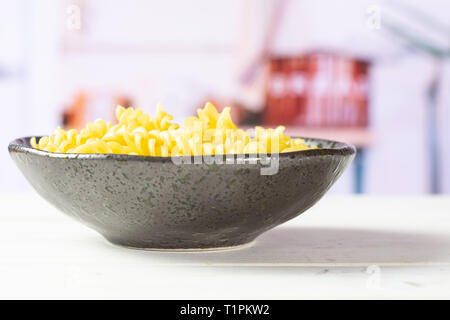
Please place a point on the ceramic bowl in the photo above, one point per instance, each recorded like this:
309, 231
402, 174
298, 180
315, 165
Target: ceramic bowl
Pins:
157, 203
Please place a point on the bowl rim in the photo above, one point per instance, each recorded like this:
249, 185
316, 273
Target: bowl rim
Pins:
22, 145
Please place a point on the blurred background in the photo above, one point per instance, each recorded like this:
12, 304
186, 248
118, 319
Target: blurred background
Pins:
372, 73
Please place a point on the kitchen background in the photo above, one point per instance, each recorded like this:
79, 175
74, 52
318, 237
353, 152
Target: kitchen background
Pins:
372, 73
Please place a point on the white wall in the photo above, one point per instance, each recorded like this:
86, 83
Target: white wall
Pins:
11, 87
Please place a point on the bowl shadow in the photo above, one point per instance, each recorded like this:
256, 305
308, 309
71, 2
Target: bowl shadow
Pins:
291, 246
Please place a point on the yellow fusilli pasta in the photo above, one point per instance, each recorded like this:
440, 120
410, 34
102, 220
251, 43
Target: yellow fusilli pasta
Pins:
136, 133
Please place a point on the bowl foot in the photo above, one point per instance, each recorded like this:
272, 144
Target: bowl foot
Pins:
181, 249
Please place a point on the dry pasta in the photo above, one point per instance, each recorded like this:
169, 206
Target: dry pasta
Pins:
136, 133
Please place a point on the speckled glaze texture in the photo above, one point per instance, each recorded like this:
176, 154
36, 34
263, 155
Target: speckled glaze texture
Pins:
149, 202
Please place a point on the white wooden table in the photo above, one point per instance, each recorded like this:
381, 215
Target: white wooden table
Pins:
344, 247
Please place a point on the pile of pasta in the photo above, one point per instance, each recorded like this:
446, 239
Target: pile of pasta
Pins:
136, 133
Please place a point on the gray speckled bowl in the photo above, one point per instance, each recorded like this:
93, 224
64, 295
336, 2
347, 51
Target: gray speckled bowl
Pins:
153, 203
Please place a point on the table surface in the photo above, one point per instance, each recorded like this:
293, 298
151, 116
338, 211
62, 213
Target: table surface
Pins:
343, 247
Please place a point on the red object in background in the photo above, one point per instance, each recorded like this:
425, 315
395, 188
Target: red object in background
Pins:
317, 89
73, 117
276, 91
